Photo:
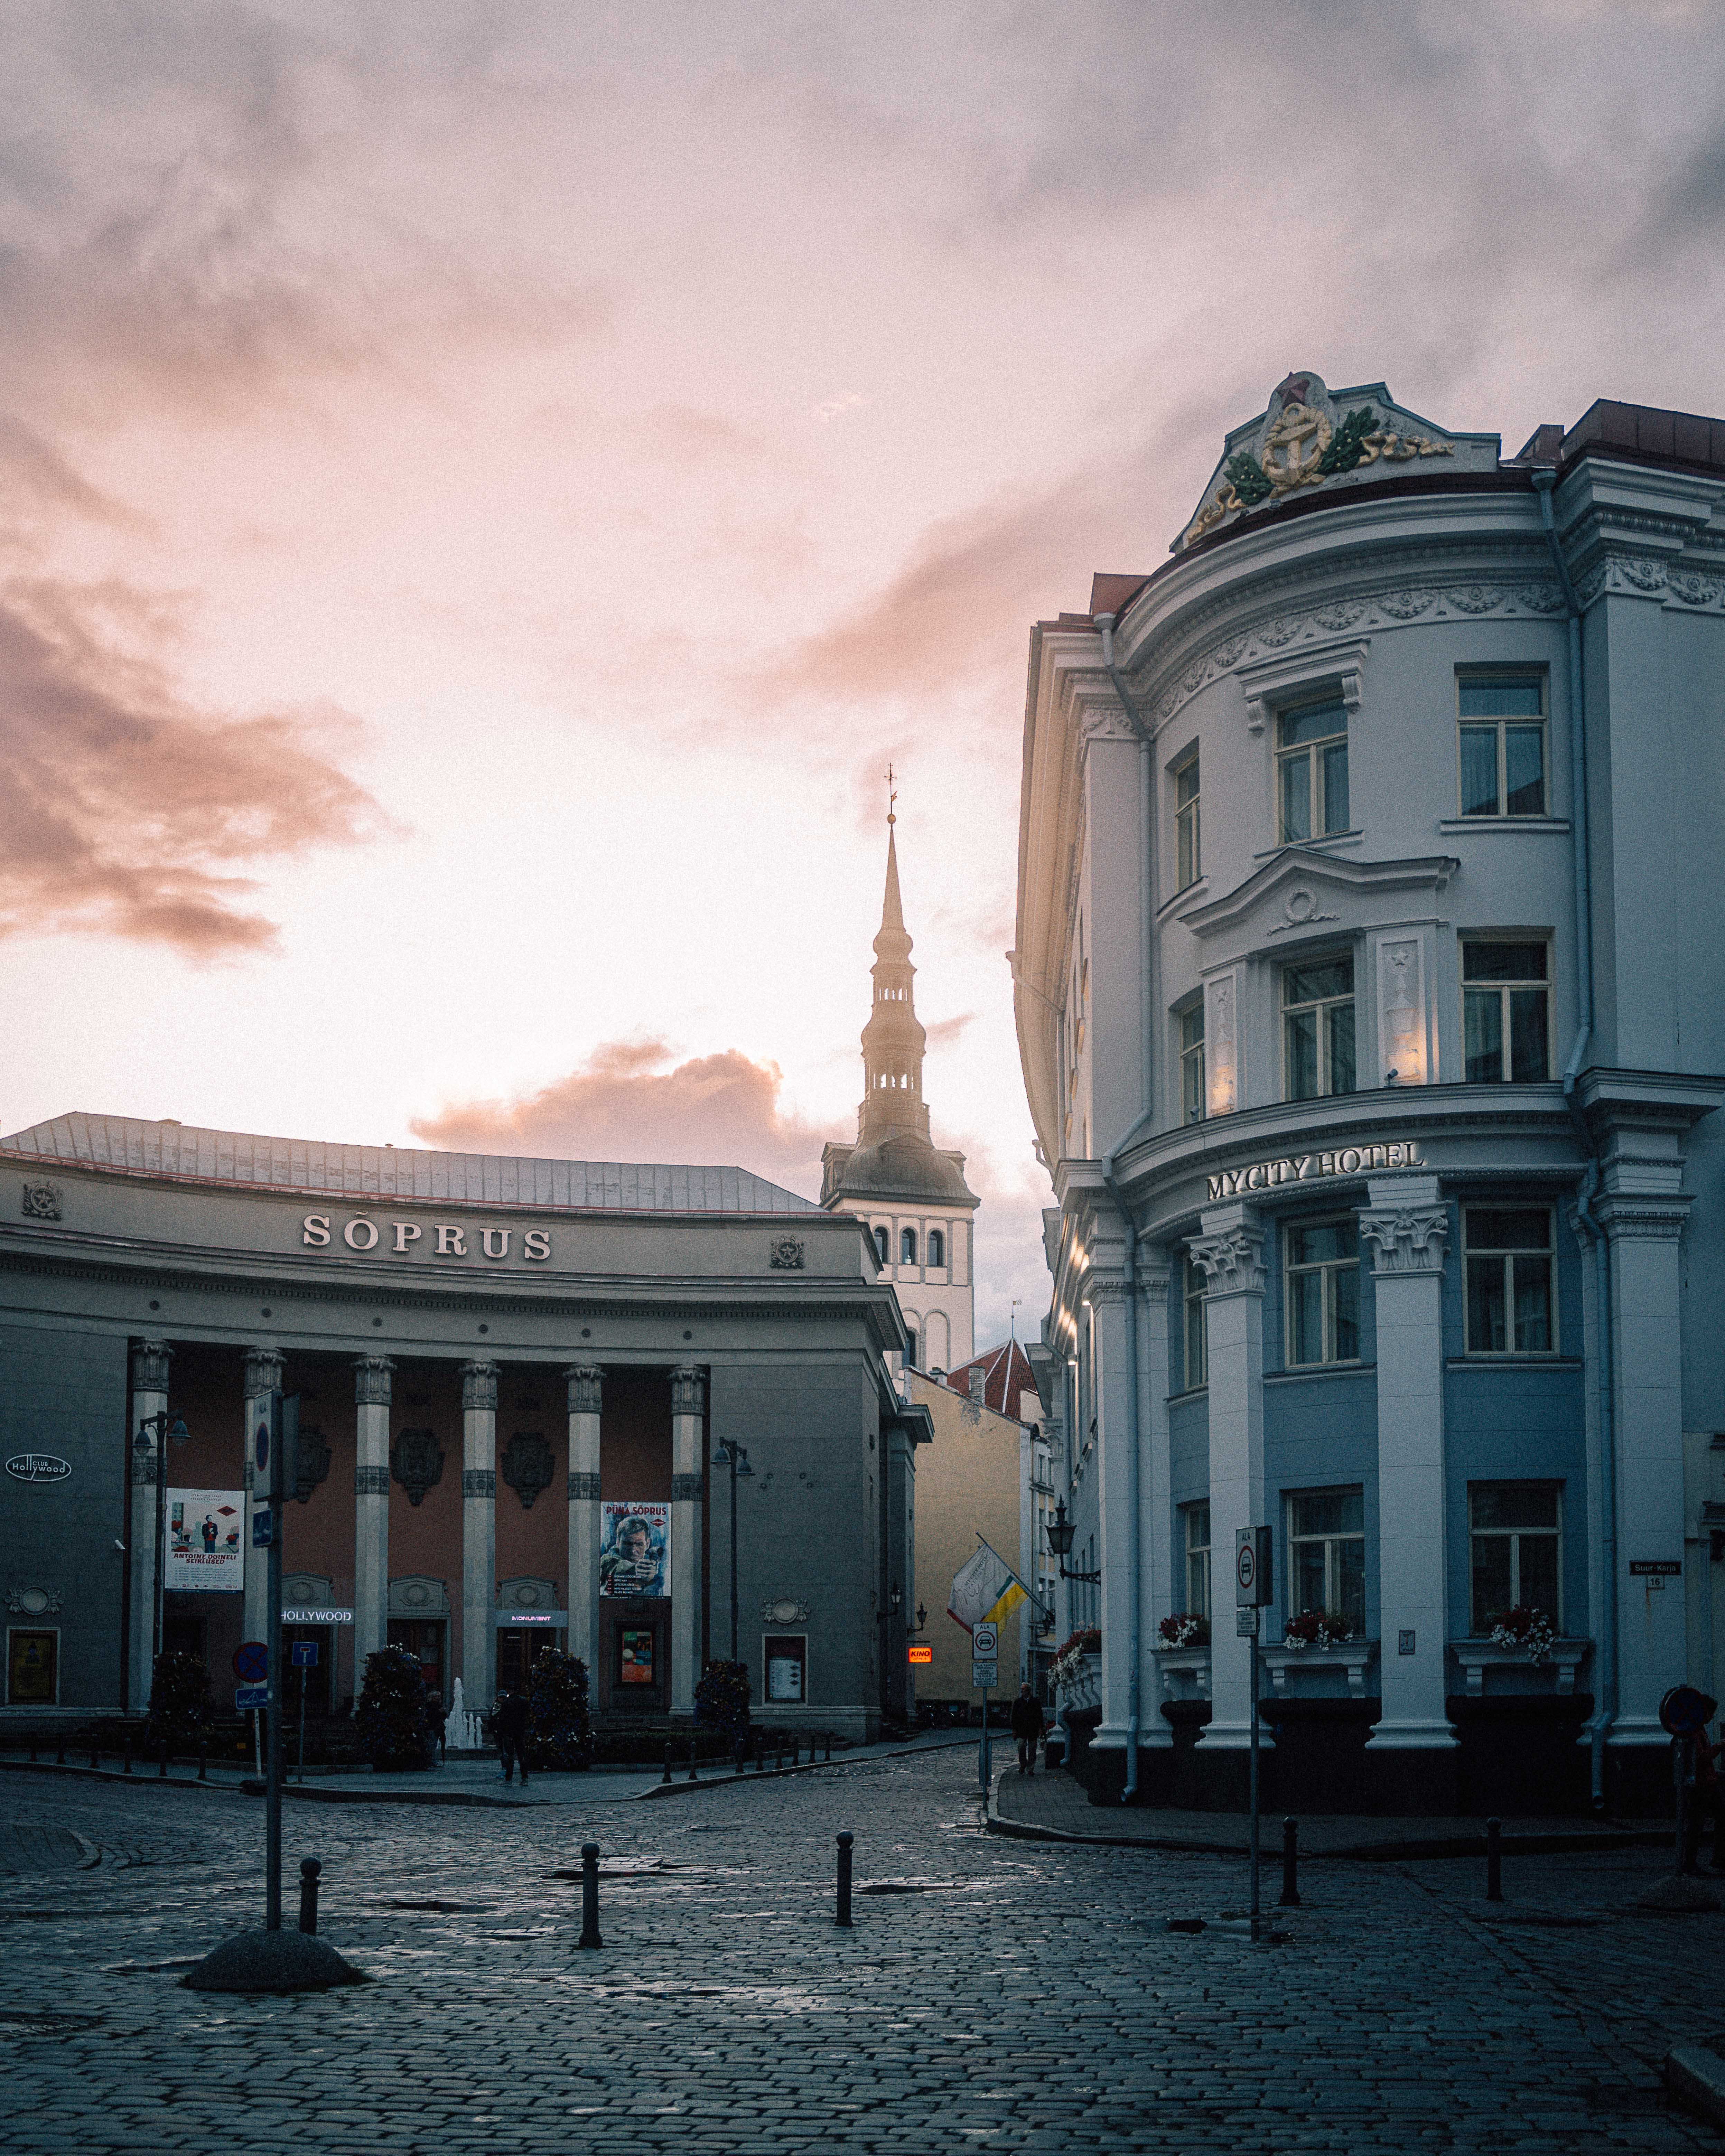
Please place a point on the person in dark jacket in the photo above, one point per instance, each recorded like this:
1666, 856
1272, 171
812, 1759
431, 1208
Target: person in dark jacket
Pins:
511, 1725
1027, 1725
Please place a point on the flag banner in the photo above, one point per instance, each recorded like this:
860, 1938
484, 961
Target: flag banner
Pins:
986, 1591
205, 1552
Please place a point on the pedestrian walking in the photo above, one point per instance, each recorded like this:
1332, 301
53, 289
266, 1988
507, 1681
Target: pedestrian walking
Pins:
437, 1716
1028, 1724
511, 1721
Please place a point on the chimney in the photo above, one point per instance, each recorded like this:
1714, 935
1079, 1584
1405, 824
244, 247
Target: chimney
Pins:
978, 1377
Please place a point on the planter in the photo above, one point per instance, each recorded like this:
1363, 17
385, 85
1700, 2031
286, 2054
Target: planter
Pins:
1478, 1659
1344, 1667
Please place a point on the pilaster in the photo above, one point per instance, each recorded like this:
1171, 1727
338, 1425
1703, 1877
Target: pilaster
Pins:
688, 1484
479, 1532
150, 1359
372, 1379
1231, 1250
1111, 1300
1156, 1573
262, 1374
1406, 1227
586, 1389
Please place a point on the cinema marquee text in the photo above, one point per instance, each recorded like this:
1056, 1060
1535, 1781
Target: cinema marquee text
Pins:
440, 1239
1307, 1167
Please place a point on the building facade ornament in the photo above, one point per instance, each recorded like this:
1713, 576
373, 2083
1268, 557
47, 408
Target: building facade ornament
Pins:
1406, 1238
371, 1482
263, 1371
1233, 1260
311, 1462
478, 1482
784, 1609
587, 1384
583, 1486
687, 1489
150, 1359
688, 1389
372, 1380
527, 1465
40, 1200
478, 1387
32, 1602
416, 1460
787, 1254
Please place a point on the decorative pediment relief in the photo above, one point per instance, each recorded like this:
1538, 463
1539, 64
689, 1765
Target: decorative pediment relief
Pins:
1295, 890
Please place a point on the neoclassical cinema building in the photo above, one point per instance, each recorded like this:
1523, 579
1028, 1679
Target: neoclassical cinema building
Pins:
1370, 980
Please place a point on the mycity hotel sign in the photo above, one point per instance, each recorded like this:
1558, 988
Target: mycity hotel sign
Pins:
438, 1239
1312, 1166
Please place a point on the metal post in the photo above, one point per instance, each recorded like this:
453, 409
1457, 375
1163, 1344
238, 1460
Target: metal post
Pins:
666, 1776
59, 1752
693, 1742
302, 1726
204, 1759
1256, 1821
1681, 1750
1290, 1864
277, 1492
310, 1869
161, 1768
1494, 1859
590, 1895
127, 1768
732, 1450
842, 1918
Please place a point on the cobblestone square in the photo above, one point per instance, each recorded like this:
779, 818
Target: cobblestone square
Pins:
1009, 1994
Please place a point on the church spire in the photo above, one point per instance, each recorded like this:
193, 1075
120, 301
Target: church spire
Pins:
892, 1040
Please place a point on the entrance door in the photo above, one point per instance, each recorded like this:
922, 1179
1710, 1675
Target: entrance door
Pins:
518, 1647
423, 1638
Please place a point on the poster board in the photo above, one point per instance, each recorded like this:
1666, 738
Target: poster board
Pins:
635, 1548
205, 1552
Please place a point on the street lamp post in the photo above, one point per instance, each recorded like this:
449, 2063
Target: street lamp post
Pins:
735, 1456
165, 1430
1060, 1532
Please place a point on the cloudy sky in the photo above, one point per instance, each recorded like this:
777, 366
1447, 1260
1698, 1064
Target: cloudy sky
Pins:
486, 491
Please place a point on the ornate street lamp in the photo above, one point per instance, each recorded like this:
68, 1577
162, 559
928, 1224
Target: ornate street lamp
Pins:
1060, 1532
735, 1456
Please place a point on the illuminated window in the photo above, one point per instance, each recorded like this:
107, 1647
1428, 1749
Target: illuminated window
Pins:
1311, 772
1502, 744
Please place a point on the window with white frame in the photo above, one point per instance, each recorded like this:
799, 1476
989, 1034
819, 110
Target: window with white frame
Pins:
1197, 1519
1322, 1268
1317, 1028
1192, 1283
1311, 771
1189, 848
1326, 1554
1503, 758
1506, 1010
1508, 1256
1192, 1102
1516, 1532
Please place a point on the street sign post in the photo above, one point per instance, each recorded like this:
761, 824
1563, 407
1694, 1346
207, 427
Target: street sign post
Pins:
1254, 1583
305, 1657
275, 1445
984, 1672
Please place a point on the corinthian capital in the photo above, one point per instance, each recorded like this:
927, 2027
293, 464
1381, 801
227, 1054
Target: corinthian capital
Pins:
688, 1389
263, 1371
479, 1386
149, 1365
372, 1376
1233, 1260
1406, 1238
587, 1386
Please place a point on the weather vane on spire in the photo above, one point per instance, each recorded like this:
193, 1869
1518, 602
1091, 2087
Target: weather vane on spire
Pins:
892, 797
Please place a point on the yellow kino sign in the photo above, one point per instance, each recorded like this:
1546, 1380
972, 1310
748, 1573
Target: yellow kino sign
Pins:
922, 1654
1309, 1166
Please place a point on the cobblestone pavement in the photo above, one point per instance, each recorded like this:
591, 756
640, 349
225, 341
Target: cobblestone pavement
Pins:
1028, 1997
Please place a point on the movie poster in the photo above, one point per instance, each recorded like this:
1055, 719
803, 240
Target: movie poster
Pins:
635, 1548
206, 1541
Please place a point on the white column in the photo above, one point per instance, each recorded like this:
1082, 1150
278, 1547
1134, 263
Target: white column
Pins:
1157, 1598
1109, 1299
586, 1383
1407, 1226
1644, 1226
1231, 1251
688, 1399
372, 1375
479, 1532
149, 1397
262, 1374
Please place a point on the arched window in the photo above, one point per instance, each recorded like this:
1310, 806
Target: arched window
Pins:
880, 1245
913, 1359
907, 1247
936, 1247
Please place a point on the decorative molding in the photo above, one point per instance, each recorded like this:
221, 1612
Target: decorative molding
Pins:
416, 1460
1102, 1293
479, 1387
785, 1610
144, 1470
40, 1200
150, 1359
1287, 676
307, 1590
525, 1593
371, 1482
687, 1490
373, 1377
787, 1254
417, 1594
1406, 1238
1648, 577
587, 1384
1643, 1220
1221, 1044
688, 1389
1401, 1011
312, 1462
1301, 908
1233, 1260
32, 1602
263, 1371
527, 1465
584, 1488
478, 1482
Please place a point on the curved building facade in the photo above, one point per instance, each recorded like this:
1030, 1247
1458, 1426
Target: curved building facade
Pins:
1368, 985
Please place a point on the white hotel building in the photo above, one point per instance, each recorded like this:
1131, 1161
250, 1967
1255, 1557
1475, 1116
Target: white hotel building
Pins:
1370, 985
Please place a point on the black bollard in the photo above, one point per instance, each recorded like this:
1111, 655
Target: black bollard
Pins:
828, 1753
842, 1918
95, 1756
666, 1776
127, 1768
1290, 1864
590, 1895
1494, 1859
310, 1871
59, 1753
760, 1758
203, 1760
32, 1751
740, 1750
162, 1771
693, 1776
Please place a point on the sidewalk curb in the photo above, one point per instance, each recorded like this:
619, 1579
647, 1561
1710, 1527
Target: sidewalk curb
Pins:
722, 1780
1696, 2077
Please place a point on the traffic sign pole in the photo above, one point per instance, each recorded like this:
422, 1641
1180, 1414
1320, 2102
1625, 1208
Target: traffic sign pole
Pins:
1252, 1586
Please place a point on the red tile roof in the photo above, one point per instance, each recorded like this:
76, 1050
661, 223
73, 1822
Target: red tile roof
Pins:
1009, 1383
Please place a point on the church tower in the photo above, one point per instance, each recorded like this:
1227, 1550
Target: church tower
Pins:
912, 1195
